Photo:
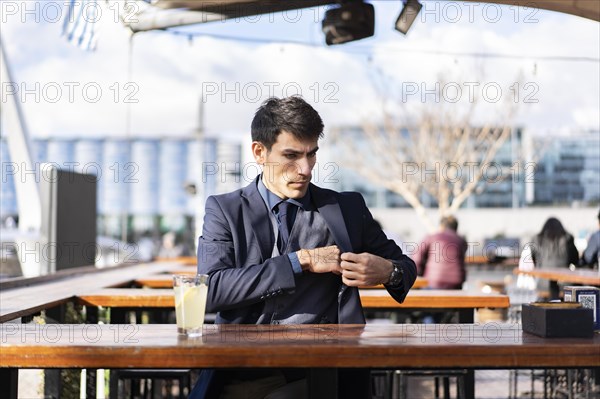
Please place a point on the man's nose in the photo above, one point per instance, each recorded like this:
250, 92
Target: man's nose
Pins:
304, 167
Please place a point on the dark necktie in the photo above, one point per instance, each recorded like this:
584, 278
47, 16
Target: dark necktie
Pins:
285, 219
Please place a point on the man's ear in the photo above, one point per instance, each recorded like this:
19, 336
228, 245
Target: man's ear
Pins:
259, 151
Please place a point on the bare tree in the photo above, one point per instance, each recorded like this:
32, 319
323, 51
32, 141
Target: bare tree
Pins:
441, 151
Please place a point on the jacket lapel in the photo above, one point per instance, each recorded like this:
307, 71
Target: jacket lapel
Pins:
349, 309
330, 209
254, 207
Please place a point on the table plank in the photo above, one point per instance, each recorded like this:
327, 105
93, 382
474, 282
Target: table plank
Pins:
28, 300
182, 260
579, 276
492, 345
479, 260
128, 298
442, 299
370, 298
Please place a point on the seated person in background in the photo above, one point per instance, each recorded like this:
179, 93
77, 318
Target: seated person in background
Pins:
441, 257
553, 246
591, 255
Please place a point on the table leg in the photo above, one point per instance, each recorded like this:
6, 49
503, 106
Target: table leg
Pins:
9, 378
323, 383
91, 315
113, 390
554, 291
470, 384
52, 383
90, 383
118, 315
466, 316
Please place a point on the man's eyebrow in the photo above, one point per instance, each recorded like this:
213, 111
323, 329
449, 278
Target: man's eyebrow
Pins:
293, 151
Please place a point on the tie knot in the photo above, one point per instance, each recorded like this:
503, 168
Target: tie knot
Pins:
283, 208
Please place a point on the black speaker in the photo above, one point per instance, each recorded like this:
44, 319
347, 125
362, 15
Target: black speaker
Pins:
349, 22
69, 218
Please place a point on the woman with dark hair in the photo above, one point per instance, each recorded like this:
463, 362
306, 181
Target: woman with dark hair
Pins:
554, 246
551, 247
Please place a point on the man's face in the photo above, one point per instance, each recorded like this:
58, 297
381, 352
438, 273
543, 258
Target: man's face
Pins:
287, 167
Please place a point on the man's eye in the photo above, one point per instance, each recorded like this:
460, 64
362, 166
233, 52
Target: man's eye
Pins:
290, 156
311, 154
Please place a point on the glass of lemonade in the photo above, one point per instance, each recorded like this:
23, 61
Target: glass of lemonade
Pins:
190, 303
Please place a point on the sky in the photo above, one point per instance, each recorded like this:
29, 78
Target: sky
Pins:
545, 63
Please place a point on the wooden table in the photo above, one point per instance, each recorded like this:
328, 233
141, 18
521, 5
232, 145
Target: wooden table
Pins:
482, 260
464, 302
371, 298
579, 276
323, 347
564, 275
455, 299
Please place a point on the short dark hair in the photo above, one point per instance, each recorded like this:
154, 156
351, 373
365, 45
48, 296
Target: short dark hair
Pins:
291, 114
449, 222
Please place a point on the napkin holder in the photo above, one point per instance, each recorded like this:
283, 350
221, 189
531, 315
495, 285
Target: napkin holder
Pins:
557, 320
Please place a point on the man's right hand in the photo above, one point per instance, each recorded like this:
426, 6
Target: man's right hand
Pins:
321, 260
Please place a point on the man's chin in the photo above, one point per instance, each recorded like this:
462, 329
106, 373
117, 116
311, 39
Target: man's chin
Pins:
297, 190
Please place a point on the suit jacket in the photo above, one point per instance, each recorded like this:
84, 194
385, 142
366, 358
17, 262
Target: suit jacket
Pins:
237, 243
591, 255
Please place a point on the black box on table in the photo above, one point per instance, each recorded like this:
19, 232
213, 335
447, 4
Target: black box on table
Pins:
558, 320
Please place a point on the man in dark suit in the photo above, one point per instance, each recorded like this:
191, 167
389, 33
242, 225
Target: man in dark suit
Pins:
284, 251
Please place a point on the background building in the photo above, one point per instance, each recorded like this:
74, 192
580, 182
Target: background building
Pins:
503, 185
529, 169
143, 183
568, 171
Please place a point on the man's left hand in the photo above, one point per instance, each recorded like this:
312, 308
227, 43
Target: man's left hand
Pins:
364, 269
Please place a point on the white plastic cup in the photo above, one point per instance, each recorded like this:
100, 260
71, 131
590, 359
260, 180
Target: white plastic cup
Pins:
190, 303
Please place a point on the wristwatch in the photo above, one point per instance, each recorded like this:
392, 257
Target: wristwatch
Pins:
397, 275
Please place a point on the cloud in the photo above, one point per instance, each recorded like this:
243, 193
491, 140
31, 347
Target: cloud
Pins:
170, 73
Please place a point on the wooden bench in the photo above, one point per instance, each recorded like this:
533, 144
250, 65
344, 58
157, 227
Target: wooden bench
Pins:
464, 302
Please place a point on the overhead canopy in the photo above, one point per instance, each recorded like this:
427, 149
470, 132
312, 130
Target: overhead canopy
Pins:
239, 8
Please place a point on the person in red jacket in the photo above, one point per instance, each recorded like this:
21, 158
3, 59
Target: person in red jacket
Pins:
441, 257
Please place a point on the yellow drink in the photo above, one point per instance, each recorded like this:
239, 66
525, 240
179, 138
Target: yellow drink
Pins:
190, 304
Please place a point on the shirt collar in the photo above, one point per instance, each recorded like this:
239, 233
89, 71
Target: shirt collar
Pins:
272, 200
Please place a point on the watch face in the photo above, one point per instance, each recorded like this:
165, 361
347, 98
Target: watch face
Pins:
396, 276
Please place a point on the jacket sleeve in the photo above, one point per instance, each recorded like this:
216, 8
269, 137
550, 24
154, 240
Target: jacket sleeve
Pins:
592, 252
230, 284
